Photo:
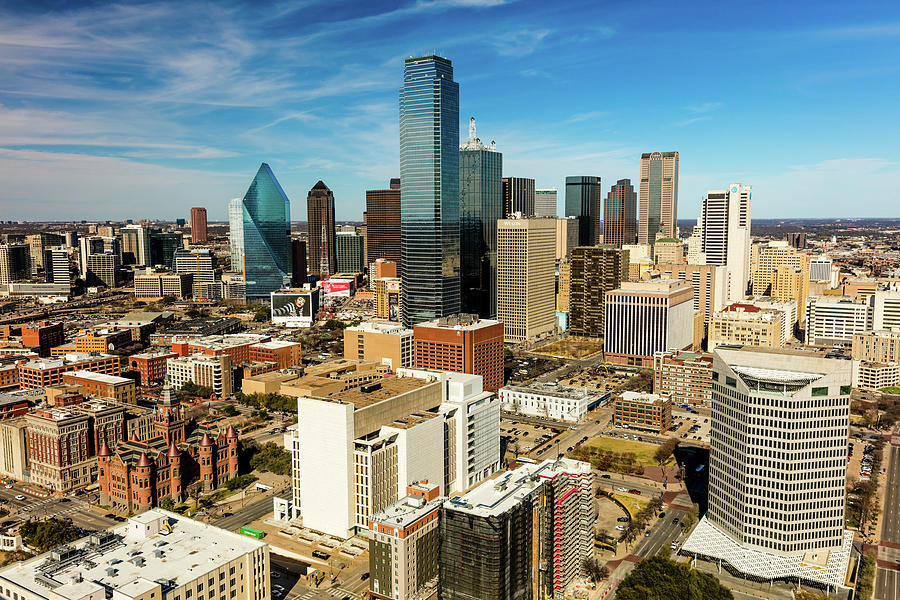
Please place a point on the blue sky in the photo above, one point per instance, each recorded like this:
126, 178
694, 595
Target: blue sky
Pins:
144, 110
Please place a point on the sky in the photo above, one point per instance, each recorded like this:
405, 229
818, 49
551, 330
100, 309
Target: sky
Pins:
143, 110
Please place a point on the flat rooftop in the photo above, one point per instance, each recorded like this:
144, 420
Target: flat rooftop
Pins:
553, 391
386, 328
112, 379
406, 511
390, 387
68, 359
154, 354
275, 344
460, 321
191, 550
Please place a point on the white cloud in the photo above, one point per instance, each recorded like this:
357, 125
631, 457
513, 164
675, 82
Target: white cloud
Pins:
519, 43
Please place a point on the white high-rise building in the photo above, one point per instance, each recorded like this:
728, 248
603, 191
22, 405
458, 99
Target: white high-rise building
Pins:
236, 234
886, 309
545, 202
725, 223
820, 269
695, 255
777, 466
833, 320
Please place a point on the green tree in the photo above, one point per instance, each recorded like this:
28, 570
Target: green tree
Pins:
168, 299
658, 578
48, 534
273, 458
665, 450
167, 503
236, 483
229, 411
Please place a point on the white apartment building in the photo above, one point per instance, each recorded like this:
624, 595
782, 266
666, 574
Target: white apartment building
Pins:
156, 555
885, 309
725, 230
834, 320
820, 270
357, 450
204, 370
549, 401
777, 466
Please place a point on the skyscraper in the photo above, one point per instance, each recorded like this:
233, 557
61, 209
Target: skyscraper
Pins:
383, 223
236, 234
351, 250
429, 197
518, 196
320, 236
135, 245
480, 205
583, 200
198, 225
545, 202
56, 265
298, 262
15, 262
595, 271
266, 226
725, 223
620, 215
658, 196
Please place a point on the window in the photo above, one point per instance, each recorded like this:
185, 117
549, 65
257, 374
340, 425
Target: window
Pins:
845, 390
731, 381
820, 391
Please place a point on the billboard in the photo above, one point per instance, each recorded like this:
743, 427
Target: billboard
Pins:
393, 306
295, 309
336, 287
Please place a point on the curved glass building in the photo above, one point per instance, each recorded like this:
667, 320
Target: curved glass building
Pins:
266, 229
429, 196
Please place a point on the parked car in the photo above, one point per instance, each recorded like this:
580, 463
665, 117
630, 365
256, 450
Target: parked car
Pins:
620, 528
623, 519
621, 489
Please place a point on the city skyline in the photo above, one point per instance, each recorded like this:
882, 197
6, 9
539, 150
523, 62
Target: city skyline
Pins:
169, 121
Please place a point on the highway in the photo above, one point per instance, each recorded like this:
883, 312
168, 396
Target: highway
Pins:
663, 533
887, 581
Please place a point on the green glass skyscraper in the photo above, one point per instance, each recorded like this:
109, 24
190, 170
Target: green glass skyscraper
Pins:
480, 205
429, 197
583, 200
267, 235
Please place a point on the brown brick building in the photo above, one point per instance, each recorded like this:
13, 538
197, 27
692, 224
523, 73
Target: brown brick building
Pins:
42, 372
594, 271
383, 223
59, 449
150, 365
686, 377
462, 344
42, 336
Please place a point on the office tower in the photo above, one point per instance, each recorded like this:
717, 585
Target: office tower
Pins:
524, 535
620, 215
525, 278
708, 282
180, 222
267, 235
768, 517
236, 234
643, 318
384, 268
584, 201
71, 239
834, 321
566, 236
429, 196
361, 447
103, 270
725, 222
200, 264
163, 247
518, 196
198, 225
791, 284
695, 255
594, 271
797, 240
820, 269
15, 262
668, 251
404, 545
383, 223
462, 344
385, 343
885, 309
387, 298
545, 202
780, 271
563, 286
788, 308
744, 324
38, 242
320, 231
135, 245
109, 231
298, 262
351, 249
480, 205
56, 265
658, 196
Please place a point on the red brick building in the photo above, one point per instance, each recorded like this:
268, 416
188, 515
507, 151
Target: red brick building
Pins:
59, 449
150, 365
283, 354
138, 474
462, 344
237, 346
198, 225
42, 336
42, 372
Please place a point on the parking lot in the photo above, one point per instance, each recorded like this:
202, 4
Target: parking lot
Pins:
523, 438
689, 426
859, 458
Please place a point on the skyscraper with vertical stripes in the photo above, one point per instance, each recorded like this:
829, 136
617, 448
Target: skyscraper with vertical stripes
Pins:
658, 196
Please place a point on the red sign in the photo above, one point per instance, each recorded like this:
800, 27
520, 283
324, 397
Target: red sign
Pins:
336, 287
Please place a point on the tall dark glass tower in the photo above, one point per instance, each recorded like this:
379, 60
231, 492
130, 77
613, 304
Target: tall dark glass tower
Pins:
480, 205
620, 215
429, 196
267, 235
583, 200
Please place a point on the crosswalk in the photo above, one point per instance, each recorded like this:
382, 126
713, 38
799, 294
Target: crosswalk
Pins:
335, 592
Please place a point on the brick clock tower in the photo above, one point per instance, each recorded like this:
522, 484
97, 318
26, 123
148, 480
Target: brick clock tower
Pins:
168, 419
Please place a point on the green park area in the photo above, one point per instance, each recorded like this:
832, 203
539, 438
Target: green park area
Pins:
632, 503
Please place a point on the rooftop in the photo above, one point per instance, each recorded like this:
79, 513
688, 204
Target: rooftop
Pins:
553, 390
406, 511
132, 560
275, 344
389, 388
221, 342
387, 328
112, 379
643, 397
460, 321
68, 359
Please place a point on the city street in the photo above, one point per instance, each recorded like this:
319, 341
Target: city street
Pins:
887, 581
76, 509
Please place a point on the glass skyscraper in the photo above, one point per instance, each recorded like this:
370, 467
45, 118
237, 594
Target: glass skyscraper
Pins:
429, 196
236, 234
583, 200
658, 196
266, 213
480, 205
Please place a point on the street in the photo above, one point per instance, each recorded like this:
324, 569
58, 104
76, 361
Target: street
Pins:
76, 509
887, 581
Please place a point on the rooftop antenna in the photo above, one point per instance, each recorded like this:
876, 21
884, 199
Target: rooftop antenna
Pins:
471, 129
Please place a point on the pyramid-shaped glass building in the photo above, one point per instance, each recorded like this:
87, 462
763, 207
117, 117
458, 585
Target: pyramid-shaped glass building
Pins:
266, 235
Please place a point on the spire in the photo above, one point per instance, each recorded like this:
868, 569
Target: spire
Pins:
472, 129
104, 450
133, 437
320, 185
173, 450
206, 441
144, 460
231, 433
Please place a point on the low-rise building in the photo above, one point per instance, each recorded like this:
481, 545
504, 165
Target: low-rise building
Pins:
383, 343
159, 285
550, 401
213, 372
283, 353
874, 375
14, 405
650, 412
195, 329
103, 340
685, 377
59, 449
120, 389
882, 346
156, 555
41, 372
267, 383
42, 336
151, 365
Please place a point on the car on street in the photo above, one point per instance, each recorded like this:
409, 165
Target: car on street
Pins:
647, 533
8, 486
675, 521
20, 497
621, 489
635, 492
620, 528
623, 519
605, 476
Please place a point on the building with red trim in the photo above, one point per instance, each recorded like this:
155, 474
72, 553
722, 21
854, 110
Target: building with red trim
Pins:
150, 365
41, 372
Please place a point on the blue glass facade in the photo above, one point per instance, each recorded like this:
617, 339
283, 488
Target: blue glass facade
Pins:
267, 235
480, 206
429, 197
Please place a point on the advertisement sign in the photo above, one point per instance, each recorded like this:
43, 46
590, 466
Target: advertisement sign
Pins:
336, 287
393, 306
294, 308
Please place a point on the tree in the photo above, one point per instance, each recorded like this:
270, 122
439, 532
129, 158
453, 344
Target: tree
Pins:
48, 534
168, 299
665, 450
593, 569
167, 503
261, 315
229, 411
273, 458
691, 518
659, 578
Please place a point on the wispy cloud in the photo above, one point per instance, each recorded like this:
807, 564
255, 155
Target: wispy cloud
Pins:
520, 43
705, 107
587, 116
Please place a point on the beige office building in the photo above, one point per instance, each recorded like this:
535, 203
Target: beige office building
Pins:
387, 298
566, 236
669, 251
780, 271
564, 284
747, 325
525, 278
382, 343
13, 448
658, 196
881, 346
708, 281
